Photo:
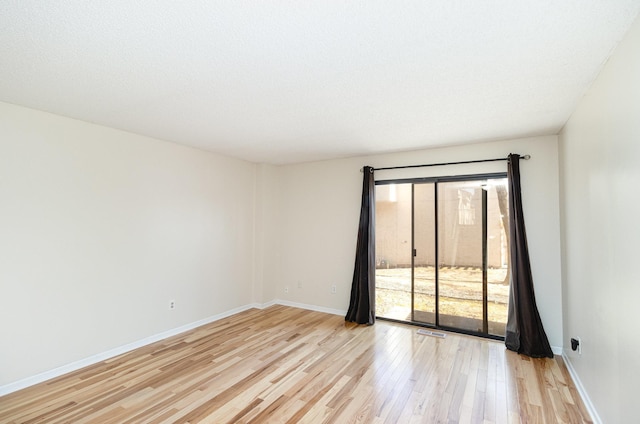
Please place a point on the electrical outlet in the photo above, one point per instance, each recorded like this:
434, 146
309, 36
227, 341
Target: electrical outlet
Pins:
172, 304
334, 289
286, 289
576, 345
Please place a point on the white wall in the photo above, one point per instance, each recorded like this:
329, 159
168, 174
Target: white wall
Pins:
600, 162
99, 229
319, 209
267, 225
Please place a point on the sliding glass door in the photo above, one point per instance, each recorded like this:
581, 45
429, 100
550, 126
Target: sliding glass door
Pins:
441, 251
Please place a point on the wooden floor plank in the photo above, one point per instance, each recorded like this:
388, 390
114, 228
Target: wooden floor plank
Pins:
284, 364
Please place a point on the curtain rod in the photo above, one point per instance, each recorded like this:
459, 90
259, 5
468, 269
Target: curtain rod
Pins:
525, 157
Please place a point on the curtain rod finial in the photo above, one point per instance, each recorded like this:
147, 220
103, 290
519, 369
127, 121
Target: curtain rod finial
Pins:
526, 157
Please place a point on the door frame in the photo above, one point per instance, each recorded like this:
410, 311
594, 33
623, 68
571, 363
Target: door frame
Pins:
435, 181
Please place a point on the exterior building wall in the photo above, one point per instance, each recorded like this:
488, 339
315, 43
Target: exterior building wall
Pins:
460, 222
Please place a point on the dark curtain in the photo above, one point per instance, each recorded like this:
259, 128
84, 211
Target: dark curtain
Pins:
525, 333
362, 305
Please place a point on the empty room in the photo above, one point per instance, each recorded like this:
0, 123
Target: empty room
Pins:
319, 212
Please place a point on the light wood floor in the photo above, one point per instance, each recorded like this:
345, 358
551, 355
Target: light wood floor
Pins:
284, 364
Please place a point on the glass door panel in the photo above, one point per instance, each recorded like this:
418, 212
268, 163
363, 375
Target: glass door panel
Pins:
424, 236
393, 251
497, 255
460, 264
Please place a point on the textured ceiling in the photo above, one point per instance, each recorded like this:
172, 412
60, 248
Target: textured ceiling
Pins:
293, 81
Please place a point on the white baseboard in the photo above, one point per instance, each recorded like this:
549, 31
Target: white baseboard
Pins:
310, 307
557, 350
266, 305
581, 390
94, 359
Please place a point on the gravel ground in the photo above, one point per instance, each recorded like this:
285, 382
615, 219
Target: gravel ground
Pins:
460, 292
